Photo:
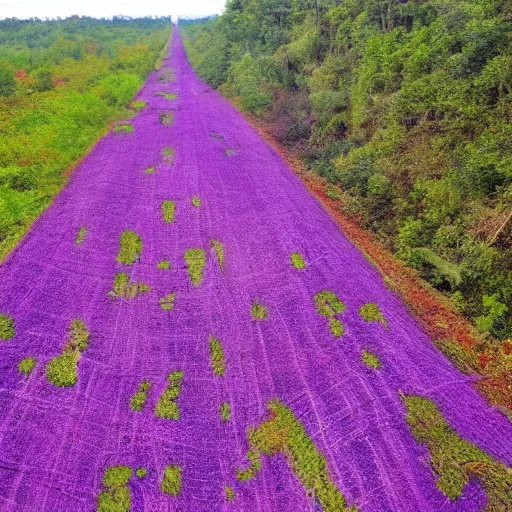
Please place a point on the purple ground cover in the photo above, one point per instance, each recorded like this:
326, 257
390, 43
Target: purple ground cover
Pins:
55, 443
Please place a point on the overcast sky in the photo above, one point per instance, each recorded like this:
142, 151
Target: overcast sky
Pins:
108, 8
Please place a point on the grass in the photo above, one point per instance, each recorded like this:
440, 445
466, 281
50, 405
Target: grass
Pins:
230, 152
370, 312
164, 265
167, 119
230, 493
284, 434
167, 302
130, 247
454, 460
124, 128
328, 304
168, 211
81, 235
168, 155
336, 327
196, 202
26, 365
141, 472
195, 260
225, 412
166, 407
219, 251
254, 468
171, 482
371, 360
138, 105
117, 496
297, 260
217, 356
62, 371
168, 95
259, 311
138, 400
6, 327
150, 170
123, 287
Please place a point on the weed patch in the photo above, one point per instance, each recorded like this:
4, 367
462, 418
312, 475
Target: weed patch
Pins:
371, 360
328, 304
171, 482
168, 211
168, 156
167, 118
217, 356
167, 302
219, 251
336, 327
230, 152
62, 371
284, 434
167, 77
254, 468
130, 248
455, 461
6, 327
164, 265
195, 260
150, 170
168, 95
81, 235
230, 493
116, 497
123, 288
124, 128
138, 400
166, 406
259, 311
26, 365
138, 105
141, 472
371, 313
196, 202
297, 260
225, 412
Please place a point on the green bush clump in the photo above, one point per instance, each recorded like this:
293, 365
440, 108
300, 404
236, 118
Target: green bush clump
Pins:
130, 247
26, 365
171, 482
6, 327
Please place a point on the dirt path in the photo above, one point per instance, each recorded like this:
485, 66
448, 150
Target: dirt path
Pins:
55, 443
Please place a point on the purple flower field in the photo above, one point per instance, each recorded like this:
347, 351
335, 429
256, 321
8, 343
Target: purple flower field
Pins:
203, 305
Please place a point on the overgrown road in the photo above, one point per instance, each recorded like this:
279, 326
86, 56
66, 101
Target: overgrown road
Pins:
185, 287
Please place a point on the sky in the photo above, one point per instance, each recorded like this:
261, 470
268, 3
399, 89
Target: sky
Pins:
108, 8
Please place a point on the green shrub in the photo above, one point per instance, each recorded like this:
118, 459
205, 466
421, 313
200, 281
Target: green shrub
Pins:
7, 82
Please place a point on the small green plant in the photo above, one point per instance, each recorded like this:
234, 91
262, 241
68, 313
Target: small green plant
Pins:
138, 400
168, 95
219, 251
164, 265
371, 360
116, 497
217, 356
496, 310
130, 248
230, 493
254, 468
454, 460
171, 482
168, 211
124, 128
81, 235
138, 105
196, 202
259, 311
168, 155
167, 302
230, 152
166, 407
328, 304
195, 260
6, 327
336, 327
370, 312
167, 118
27, 365
297, 260
141, 472
123, 287
225, 412
62, 371
150, 170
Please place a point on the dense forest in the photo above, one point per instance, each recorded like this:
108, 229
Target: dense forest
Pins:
405, 108
62, 82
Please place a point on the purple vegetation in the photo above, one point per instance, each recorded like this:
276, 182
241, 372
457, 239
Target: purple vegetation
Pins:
55, 443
